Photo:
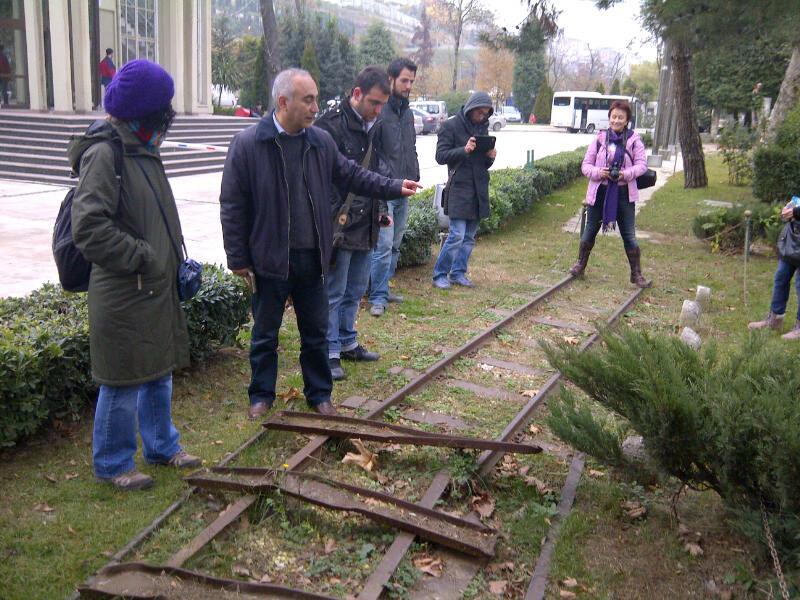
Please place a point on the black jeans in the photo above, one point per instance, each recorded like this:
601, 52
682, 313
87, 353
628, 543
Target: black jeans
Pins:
310, 302
626, 217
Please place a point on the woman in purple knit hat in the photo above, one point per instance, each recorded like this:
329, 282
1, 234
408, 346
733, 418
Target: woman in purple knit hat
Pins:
125, 222
612, 164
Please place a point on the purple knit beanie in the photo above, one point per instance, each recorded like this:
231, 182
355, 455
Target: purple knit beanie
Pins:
139, 88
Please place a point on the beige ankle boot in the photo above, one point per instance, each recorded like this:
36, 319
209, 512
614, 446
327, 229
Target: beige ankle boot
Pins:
772, 321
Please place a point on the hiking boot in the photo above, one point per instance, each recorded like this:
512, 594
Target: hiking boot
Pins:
463, 281
337, 372
377, 310
361, 354
794, 334
396, 298
130, 481
325, 408
184, 460
634, 258
584, 250
772, 321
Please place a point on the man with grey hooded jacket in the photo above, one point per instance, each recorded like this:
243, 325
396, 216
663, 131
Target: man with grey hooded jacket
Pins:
468, 175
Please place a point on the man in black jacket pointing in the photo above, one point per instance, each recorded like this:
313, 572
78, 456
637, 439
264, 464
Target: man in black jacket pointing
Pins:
275, 210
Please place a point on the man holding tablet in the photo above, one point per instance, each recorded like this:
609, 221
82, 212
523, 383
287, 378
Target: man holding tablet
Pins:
468, 152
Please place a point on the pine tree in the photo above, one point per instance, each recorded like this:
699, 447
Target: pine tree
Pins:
615, 88
600, 88
310, 62
544, 103
376, 47
529, 69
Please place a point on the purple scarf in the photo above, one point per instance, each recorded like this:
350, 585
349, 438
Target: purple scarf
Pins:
612, 191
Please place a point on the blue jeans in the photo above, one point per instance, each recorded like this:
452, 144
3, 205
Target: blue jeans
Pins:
455, 252
347, 282
310, 301
780, 290
626, 217
386, 253
114, 437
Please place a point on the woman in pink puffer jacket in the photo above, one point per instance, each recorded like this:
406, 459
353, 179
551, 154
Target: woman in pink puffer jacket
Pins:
612, 164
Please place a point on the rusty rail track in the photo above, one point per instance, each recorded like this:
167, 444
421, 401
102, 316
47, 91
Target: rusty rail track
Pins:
301, 459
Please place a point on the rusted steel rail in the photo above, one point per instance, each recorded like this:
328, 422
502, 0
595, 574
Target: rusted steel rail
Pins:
383, 572
380, 431
299, 460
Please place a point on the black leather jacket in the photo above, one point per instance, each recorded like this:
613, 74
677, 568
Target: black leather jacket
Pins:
396, 141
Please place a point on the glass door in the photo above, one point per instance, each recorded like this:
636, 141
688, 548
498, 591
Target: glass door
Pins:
13, 56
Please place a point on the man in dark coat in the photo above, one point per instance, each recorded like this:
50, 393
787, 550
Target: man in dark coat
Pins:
356, 219
275, 208
137, 329
107, 69
468, 199
396, 148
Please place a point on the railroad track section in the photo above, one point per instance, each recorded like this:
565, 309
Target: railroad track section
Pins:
489, 369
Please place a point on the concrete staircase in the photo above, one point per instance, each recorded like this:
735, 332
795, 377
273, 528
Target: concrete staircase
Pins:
33, 145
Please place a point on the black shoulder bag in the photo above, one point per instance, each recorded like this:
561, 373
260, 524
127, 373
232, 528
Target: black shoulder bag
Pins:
789, 243
190, 272
343, 216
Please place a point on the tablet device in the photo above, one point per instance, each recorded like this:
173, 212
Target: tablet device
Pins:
484, 143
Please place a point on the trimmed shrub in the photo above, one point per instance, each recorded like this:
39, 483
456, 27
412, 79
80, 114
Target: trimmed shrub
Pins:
724, 228
45, 370
730, 424
776, 173
423, 228
565, 166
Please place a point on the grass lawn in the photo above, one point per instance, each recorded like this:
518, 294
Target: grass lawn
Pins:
57, 525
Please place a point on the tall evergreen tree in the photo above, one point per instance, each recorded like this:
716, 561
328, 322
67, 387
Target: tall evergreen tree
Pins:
377, 46
530, 67
544, 103
615, 88
310, 62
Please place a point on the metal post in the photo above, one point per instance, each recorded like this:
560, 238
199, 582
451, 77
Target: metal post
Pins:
747, 225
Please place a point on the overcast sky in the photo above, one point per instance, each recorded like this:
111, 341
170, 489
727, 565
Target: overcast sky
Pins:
614, 28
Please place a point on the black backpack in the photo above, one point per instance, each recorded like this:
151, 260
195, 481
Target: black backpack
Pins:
73, 268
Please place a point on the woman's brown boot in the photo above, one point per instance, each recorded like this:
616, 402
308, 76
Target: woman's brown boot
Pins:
634, 258
584, 250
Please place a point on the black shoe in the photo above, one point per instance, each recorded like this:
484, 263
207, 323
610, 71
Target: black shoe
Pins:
360, 353
337, 372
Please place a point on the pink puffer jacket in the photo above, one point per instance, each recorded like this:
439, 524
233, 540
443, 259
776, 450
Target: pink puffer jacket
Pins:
594, 161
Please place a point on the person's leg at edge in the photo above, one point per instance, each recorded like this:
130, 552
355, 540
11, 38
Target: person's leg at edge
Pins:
460, 263
781, 286
268, 306
160, 439
382, 262
400, 216
114, 432
451, 246
311, 308
336, 284
357, 282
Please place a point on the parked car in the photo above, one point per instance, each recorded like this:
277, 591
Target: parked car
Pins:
497, 122
430, 123
511, 114
418, 124
435, 108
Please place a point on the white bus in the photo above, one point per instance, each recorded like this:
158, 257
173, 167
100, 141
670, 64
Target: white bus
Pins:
585, 111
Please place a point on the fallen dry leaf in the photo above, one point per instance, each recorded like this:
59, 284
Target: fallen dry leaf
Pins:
566, 594
365, 458
265, 579
51, 478
330, 545
504, 566
529, 393
483, 505
291, 394
693, 549
404, 357
498, 588
382, 479
634, 510
595, 474
432, 565
540, 485
570, 582
70, 529
486, 367
241, 571
534, 429
43, 507
69, 476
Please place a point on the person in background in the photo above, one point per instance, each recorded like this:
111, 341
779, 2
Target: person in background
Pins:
356, 225
781, 285
5, 77
468, 198
612, 163
275, 208
396, 150
107, 71
137, 329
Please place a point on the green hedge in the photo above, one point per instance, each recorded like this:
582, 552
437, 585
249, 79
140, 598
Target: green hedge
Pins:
724, 228
44, 348
511, 192
776, 167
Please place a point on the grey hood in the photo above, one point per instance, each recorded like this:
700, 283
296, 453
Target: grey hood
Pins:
477, 100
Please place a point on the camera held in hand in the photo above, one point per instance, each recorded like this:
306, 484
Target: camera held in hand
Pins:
613, 172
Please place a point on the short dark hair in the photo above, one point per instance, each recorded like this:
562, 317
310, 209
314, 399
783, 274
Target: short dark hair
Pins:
372, 77
622, 105
109, 51
398, 64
